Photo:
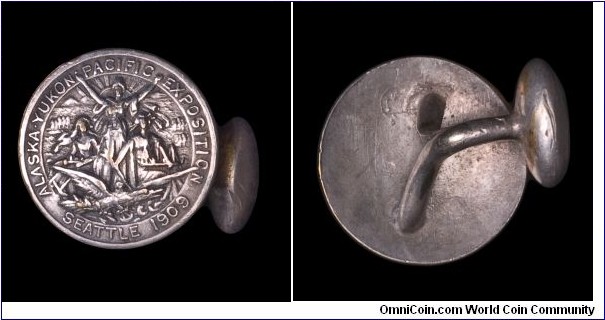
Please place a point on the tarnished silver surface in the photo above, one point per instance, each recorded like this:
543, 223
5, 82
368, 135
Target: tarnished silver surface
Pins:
423, 162
237, 176
118, 149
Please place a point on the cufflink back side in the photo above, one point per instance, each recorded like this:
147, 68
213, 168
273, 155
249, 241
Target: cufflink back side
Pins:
423, 162
118, 149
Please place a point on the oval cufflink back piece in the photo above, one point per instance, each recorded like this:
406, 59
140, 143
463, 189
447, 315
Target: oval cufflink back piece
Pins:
233, 195
540, 102
421, 162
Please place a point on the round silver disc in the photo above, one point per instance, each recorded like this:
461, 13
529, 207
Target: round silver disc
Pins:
372, 139
117, 148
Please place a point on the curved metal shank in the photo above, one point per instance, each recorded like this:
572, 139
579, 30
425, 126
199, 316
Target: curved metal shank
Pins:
410, 211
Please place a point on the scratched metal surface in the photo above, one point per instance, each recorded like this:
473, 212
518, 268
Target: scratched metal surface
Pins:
372, 139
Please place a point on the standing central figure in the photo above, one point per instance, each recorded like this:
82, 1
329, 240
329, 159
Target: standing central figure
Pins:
112, 125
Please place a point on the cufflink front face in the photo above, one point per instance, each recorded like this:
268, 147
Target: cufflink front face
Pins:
422, 161
118, 149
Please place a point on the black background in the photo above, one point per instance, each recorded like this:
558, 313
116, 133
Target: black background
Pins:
238, 54
545, 252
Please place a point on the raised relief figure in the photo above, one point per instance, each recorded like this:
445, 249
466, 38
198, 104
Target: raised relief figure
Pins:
123, 158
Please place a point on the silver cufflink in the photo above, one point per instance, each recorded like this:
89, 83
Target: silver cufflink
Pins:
423, 162
118, 149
